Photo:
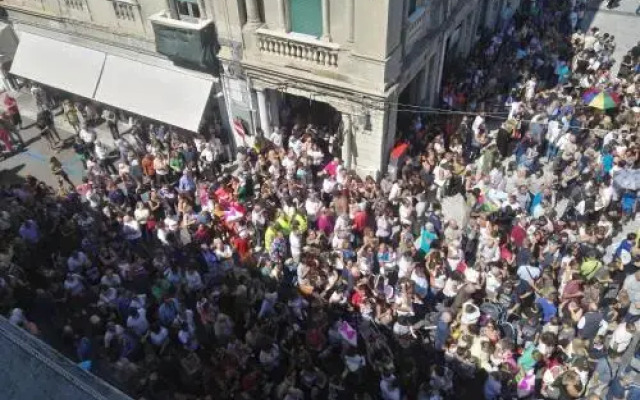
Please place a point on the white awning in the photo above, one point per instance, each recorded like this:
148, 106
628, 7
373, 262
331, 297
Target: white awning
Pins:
58, 64
162, 94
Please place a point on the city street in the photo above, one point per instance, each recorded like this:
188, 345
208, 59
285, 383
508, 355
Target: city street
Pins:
35, 160
621, 22
413, 210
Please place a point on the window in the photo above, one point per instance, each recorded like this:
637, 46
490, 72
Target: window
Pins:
413, 4
124, 11
75, 4
305, 16
188, 9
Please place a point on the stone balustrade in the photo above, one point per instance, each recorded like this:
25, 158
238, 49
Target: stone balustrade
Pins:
298, 47
416, 26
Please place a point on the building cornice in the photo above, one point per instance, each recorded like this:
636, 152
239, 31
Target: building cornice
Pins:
70, 21
282, 76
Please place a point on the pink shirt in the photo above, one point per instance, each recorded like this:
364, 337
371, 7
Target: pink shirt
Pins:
331, 168
325, 224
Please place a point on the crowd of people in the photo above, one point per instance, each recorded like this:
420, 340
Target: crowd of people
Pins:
291, 277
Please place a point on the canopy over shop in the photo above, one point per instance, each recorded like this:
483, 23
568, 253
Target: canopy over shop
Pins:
167, 95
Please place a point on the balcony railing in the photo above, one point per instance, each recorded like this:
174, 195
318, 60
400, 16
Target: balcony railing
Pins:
163, 18
189, 43
298, 47
416, 26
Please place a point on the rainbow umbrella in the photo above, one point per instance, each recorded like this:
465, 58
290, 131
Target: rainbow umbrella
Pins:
604, 101
589, 94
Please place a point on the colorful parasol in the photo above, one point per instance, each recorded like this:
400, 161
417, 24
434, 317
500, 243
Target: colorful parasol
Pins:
601, 100
589, 94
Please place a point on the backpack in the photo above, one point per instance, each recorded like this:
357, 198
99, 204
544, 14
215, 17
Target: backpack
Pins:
509, 331
527, 332
589, 267
492, 311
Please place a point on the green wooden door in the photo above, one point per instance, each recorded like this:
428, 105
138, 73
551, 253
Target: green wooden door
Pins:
306, 16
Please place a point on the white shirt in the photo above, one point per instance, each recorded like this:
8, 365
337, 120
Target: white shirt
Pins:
295, 241
515, 108
159, 338
276, 138
328, 186
553, 131
206, 155
312, 207
101, 152
621, 338
87, 135
477, 122
258, 218
111, 281
528, 273
193, 279
162, 236
404, 266
388, 392
354, 363
131, 230
139, 325
75, 264
141, 215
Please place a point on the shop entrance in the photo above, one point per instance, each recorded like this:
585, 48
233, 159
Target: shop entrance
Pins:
409, 106
302, 115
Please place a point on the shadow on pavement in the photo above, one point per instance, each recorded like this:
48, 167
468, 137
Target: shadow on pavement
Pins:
12, 176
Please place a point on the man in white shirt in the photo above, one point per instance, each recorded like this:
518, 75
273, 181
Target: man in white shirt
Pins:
110, 279
131, 229
516, 109
329, 185
207, 158
87, 135
622, 337
312, 206
102, 155
568, 147
137, 321
477, 123
77, 261
276, 137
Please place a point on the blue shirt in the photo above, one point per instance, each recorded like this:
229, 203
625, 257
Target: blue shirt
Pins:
624, 245
607, 163
186, 184
167, 312
548, 309
30, 233
442, 334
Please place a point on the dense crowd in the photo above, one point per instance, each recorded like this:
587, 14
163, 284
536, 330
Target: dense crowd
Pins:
290, 277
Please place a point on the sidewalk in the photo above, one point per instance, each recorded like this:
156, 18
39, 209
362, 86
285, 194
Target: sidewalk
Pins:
29, 111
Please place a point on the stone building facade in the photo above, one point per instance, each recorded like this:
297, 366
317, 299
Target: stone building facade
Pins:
167, 48
358, 56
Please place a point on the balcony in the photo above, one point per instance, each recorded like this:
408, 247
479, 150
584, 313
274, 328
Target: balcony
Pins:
298, 47
189, 43
416, 27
